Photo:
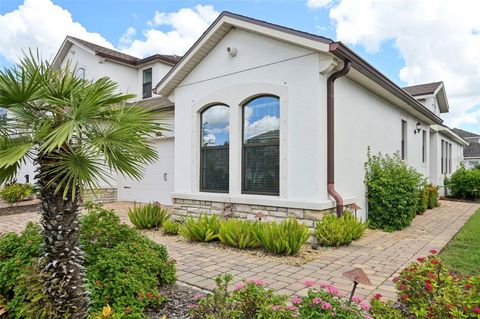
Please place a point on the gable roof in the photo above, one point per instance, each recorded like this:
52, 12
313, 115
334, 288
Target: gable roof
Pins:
227, 21
465, 134
423, 89
472, 150
111, 54
436, 89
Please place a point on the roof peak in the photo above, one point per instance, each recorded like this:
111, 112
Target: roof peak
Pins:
123, 57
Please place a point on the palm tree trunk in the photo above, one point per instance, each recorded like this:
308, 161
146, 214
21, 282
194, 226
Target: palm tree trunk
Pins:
62, 263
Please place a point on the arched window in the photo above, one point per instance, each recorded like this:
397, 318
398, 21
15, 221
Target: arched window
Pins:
214, 149
261, 146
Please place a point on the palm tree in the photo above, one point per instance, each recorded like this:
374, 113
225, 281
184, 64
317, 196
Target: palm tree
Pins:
76, 132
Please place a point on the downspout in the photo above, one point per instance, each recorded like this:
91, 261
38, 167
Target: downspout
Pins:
331, 136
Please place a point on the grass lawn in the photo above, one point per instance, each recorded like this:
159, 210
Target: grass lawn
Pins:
462, 254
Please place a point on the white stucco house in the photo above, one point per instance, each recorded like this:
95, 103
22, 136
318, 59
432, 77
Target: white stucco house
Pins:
471, 153
271, 119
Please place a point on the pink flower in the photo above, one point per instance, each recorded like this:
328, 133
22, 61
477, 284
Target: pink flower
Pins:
428, 286
435, 261
238, 287
258, 282
368, 317
308, 283
275, 307
326, 306
433, 252
468, 286
191, 306
333, 291
296, 300
365, 307
198, 296
395, 279
316, 300
421, 259
377, 296
357, 299
476, 310
291, 308
324, 285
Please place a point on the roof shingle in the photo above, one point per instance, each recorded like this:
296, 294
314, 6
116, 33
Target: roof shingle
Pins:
126, 58
422, 89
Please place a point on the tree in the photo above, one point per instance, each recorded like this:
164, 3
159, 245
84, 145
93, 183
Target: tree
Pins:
77, 132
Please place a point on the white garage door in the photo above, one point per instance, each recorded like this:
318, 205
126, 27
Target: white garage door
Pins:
157, 183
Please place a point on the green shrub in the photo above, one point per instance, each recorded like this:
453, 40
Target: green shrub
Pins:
123, 268
333, 231
15, 192
392, 192
171, 227
432, 196
148, 216
423, 200
238, 233
427, 289
285, 238
465, 183
204, 228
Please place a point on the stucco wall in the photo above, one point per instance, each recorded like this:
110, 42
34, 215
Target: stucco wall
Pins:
363, 119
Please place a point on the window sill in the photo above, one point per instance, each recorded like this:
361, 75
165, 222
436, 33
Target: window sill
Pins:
262, 200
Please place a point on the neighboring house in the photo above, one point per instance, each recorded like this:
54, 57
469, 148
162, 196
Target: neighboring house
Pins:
471, 153
136, 76
267, 118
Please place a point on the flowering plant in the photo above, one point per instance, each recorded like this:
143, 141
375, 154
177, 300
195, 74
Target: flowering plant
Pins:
427, 289
328, 302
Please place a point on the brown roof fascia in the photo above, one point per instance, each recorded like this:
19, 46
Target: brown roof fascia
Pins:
341, 51
138, 62
246, 19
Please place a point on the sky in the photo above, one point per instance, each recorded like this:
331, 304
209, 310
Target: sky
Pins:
410, 41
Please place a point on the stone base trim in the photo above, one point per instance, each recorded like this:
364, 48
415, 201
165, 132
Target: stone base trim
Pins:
187, 207
100, 195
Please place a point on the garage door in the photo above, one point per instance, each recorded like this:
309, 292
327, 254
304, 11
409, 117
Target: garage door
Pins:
157, 183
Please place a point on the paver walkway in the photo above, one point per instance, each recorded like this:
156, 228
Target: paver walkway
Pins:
381, 255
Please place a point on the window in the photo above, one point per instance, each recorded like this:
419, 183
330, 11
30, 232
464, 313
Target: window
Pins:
147, 83
446, 157
424, 146
214, 149
403, 150
261, 146
442, 157
449, 157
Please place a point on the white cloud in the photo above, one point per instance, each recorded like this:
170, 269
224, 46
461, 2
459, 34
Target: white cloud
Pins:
438, 40
186, 26
40, 24
317, 4
127, 38
263, 125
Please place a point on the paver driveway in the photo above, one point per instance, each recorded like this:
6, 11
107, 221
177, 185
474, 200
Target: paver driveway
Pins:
382, 255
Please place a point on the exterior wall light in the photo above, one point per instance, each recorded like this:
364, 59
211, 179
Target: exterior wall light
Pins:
231, 51
418, 128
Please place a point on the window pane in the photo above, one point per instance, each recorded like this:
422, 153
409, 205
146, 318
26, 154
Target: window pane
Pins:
261, 169
214, 157
261, 136
403, 150
261, 121
147, 76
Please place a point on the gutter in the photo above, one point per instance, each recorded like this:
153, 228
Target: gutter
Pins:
331, 135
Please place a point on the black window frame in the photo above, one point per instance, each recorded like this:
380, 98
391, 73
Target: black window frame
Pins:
250, 192
203, 148
403, 145
147, 86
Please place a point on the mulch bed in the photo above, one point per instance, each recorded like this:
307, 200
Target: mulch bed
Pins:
306, 254
176, 307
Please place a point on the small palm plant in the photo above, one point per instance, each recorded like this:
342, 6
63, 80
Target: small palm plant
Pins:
77, 132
